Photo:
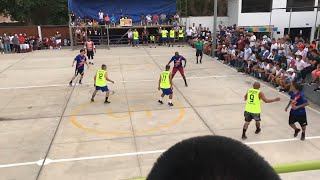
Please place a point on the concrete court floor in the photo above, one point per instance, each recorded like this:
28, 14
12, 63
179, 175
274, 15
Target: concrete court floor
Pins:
42, 117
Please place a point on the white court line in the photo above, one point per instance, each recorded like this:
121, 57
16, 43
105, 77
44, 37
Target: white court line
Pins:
62, 85
49, 161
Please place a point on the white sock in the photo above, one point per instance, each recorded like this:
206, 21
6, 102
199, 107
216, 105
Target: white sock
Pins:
170, 100
160, 98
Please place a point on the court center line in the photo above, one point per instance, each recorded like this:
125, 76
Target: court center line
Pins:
66, 85
49, 161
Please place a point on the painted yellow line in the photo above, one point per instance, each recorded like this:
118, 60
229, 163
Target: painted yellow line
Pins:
148, 114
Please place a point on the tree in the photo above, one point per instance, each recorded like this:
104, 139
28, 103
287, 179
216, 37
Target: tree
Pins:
36, 12
201, 7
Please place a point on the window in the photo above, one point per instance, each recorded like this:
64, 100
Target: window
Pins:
252, 6
299, 3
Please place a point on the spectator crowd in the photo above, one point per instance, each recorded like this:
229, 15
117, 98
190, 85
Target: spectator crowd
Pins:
277, 61
23, 43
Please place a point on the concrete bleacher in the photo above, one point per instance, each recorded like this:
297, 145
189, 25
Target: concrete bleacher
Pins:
309, 93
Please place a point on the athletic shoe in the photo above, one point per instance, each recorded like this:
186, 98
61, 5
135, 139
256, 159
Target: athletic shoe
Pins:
80, 82
170, 104
92, 63
311, 83
186, 85
160, 102
107, 102
317, 89
197, 62
258, 131
200, 62
244, 137
281, 90
92, 100
296, 132
303, 136
70, 84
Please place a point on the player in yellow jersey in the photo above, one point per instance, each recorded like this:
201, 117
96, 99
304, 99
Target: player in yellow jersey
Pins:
100, 82
165, 84
254, 97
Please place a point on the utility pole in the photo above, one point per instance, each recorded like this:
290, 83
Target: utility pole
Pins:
214, 38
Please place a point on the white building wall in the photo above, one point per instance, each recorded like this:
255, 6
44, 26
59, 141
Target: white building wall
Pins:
279, 18
233, 11
205, 21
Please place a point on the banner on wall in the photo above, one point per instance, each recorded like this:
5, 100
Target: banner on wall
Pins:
125, 22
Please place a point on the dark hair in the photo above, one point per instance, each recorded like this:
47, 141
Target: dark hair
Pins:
211, 158
314, 51
297, 85
82, 50
271, 62
103, 66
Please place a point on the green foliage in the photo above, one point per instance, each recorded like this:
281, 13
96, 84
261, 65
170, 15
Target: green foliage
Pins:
36, 12
201, 7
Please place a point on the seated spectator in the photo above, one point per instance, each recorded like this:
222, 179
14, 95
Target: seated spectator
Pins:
301, 51
101, 22
316, 77
270, 70
285, 83
149, 20
72, 16
264, 52
313, 45
274, 45
156, 19
300, 64
176, 17
90, 24
275, 75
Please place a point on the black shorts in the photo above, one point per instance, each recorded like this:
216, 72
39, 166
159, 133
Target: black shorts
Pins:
79, 71
250, 116
301, 119
90, 53
199, 53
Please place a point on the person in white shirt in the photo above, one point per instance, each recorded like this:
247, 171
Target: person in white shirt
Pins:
149, 19
274, 45
247, 52
194, 28
276, 75
101, 15
130, 34
301, 51
286, 81
270, 70
280, 46
300, 64
189, 34
252, 40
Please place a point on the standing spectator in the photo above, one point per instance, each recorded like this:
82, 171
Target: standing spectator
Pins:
163, 18
113, 20
199, 48
145, 36
241, 43
11, 43
287, 48
130, 37
177, 17
189, 34
252, 40
72, 17
156, 19
6, 43
101, 15
142, 20
107, 20
1, 45
136, 38
149, 20
301, 51
58, 39
16, 43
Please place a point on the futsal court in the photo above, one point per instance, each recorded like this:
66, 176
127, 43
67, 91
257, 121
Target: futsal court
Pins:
52, 131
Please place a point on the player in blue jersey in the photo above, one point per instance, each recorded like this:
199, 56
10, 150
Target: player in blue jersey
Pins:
178, 66
80, 60
298, 102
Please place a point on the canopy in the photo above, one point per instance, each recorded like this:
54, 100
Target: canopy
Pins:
131, 8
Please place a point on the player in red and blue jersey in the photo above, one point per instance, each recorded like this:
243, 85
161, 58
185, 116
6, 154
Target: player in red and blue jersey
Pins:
81, 60
298, 102
178, 66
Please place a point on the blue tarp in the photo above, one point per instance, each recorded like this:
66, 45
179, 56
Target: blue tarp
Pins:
132, 8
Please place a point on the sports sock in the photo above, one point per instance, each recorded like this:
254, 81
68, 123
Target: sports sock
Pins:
160, 98
244, 131
106, 99
170, 100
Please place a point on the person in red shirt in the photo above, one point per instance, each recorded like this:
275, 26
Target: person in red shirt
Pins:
156, 19
22, 40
